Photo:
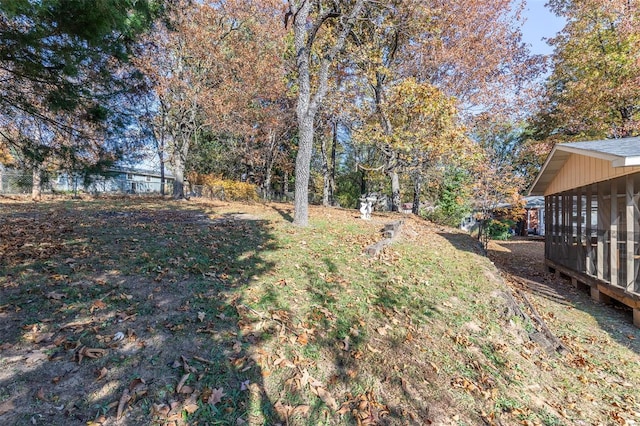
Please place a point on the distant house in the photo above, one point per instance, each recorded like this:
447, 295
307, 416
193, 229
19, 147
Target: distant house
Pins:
592, 222
116, 180
533, 221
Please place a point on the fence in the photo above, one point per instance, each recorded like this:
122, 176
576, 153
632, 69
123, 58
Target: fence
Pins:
12, 182
17, 182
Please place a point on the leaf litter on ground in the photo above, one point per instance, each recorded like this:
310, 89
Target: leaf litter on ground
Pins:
290, 325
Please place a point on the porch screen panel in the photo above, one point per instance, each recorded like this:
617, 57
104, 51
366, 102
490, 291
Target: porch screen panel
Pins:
614, 254
547, 226
558, 231
604, 230
572, 229
567, 233
581, 263
590, 230
633, 236
554, 213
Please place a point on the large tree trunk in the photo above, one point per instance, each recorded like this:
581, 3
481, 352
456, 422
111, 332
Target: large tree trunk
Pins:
304, 33
266, 185
36, 187
395, 190
162, 180
285, 183
303, 169
179, 160
391, 154
325, 173
329, 167
417, 189
391, 169
332, 168
178, 182
268, 175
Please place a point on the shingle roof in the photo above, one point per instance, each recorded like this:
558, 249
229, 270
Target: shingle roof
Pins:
620, 152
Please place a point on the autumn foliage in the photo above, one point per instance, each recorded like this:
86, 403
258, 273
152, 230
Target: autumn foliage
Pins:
216, 187
592, 92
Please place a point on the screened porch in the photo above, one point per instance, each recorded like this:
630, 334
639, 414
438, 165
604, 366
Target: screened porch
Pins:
595, 230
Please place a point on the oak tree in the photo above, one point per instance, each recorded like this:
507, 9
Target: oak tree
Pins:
593, 89
308, 18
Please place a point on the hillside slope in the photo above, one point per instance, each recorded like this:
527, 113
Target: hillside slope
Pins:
231, 315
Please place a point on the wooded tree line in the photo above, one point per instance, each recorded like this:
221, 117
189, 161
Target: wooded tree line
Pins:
417, 100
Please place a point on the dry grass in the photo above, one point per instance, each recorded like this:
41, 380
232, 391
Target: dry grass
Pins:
231, 315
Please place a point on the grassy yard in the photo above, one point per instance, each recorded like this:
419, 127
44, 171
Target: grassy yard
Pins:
140, 311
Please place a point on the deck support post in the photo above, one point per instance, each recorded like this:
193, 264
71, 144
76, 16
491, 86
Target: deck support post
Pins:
636, 317
598, 296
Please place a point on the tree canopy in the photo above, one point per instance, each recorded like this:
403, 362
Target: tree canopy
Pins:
403, 97
63, 69
593, 89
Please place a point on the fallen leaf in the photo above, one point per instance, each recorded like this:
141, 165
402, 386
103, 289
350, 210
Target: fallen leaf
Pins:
345, 342
182, 381
126, 397
216, 396
286, 411
97, 304
137, 387
187, 390
201, 316
90, 353
383, 330
101, 373
44, 337
55, 296
372, 349
161, 410
303, 339
191, 404
344, 408
326, 397
40, 395
304, 380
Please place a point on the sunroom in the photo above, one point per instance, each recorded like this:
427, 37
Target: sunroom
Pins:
592, 221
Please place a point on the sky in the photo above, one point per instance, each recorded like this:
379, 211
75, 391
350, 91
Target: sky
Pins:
540, 23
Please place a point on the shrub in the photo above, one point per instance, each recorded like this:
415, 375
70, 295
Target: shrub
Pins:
230, 190
499, 230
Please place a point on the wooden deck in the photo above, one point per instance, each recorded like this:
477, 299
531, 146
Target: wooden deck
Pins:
600, 290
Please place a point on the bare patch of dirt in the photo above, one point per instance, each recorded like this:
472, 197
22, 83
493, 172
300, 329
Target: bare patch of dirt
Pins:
521, 261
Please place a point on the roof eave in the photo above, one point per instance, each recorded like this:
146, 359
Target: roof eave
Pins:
626, 161
539, 185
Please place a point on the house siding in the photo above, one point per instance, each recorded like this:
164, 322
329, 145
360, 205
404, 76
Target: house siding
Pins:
581, 171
